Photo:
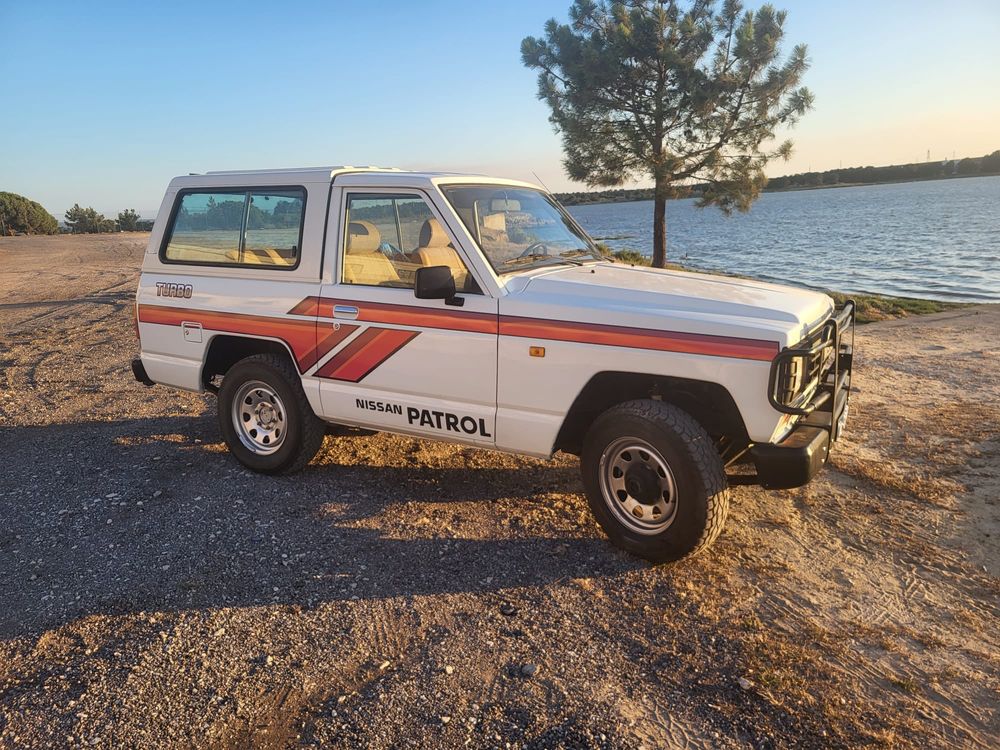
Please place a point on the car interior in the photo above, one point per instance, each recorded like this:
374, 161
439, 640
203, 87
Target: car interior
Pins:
367, 262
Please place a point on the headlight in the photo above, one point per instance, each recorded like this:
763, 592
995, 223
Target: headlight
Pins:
798, 377
789, 381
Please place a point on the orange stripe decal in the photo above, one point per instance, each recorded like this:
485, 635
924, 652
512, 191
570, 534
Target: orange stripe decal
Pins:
405, 315
327, 338
307, 306
556, 330
639, 338
300, 335
313, 337
362, 355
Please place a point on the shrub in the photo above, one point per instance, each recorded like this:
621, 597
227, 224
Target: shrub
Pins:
22, 215
632, 257
88, 221
128, 220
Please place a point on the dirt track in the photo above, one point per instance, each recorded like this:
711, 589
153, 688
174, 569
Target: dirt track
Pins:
154, 594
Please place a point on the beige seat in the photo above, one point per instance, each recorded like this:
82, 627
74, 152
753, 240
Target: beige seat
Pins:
197, 253
363, 262
494, 229
436, 250
250, 257
205, 253
275, 257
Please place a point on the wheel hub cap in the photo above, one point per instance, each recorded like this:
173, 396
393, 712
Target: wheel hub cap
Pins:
638, 485
266, 415
643, 484
259, 417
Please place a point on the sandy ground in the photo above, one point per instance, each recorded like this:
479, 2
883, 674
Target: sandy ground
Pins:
406, 593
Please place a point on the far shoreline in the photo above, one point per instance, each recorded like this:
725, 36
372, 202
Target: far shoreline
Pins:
794, 189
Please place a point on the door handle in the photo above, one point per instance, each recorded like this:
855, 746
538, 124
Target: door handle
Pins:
345, 312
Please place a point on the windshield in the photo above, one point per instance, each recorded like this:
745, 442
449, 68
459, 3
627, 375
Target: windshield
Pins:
519, 228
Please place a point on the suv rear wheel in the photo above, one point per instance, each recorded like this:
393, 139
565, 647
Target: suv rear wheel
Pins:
654, 480
265, 417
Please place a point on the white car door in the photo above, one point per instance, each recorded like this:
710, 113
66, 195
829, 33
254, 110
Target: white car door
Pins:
398, 363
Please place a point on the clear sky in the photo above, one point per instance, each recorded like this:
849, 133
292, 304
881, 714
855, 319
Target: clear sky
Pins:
102, 103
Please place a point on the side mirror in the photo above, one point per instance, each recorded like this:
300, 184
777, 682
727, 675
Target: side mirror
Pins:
436, 282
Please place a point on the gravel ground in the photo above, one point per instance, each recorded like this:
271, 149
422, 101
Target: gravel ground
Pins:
403, 593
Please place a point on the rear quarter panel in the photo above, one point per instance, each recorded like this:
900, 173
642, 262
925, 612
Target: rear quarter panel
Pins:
253, 302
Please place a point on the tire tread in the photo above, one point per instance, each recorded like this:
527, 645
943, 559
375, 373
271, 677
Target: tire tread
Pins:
313, 428
699, 447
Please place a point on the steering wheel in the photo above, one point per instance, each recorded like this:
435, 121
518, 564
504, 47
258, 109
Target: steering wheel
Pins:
532, 249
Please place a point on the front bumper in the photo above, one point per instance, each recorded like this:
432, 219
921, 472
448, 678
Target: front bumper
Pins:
795, 460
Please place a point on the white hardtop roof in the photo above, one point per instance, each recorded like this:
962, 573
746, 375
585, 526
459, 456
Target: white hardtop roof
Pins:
327, 172
358, 176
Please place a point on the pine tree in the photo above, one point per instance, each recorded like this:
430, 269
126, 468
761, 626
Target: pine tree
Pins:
19, 214
87, 220
673, 90
128, 220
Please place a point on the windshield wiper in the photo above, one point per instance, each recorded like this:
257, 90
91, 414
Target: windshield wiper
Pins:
526, 258
577, 253
564, 257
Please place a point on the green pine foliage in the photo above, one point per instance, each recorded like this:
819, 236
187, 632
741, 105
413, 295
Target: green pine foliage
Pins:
128, 220
672, 90
88, 221
20, 215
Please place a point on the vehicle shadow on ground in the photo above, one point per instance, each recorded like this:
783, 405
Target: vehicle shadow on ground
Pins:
106, 518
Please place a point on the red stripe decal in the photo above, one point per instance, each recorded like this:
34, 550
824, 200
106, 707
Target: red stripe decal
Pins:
300, 335
405, 315
639, 338
307, 306
327, 338
555, 330
369, 350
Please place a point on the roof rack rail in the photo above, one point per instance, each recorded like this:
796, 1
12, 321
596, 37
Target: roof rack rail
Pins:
338, 168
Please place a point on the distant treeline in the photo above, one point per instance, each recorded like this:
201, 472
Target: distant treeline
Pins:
80, 220
20, 215
932, 170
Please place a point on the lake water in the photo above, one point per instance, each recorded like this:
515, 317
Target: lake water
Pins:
938, 239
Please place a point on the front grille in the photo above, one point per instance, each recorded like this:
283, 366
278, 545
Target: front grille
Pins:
811, 374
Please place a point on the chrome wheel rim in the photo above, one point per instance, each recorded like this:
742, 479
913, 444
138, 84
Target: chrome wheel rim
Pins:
638, 486
259, 418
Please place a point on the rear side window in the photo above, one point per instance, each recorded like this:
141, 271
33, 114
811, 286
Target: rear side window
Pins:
256, 227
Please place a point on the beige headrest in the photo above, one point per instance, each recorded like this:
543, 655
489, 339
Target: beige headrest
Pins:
432, 234
362, 237
444, 256
496, 222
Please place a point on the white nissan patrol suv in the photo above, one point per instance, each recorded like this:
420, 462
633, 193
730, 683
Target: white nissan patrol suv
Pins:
476, 310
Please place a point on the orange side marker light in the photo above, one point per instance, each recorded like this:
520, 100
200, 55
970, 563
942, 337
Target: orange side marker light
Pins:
536, 351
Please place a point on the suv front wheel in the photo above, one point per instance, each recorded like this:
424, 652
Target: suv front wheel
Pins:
265, 417
654, 480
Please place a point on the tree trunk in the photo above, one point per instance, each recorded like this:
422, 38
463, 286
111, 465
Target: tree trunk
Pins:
660, 223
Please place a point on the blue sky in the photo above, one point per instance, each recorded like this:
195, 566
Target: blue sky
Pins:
104, 102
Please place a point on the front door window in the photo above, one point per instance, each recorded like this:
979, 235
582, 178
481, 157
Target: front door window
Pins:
388, 237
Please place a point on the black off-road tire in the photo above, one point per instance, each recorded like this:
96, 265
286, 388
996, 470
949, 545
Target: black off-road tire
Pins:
701, 490
304, 431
